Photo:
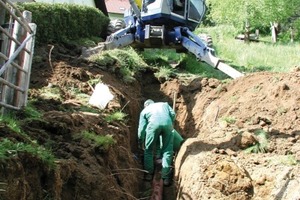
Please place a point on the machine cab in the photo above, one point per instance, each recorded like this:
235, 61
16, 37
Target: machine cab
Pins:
187, 13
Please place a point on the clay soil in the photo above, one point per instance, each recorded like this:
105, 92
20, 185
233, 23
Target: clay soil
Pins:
218, 121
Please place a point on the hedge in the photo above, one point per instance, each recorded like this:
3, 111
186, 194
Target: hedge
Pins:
64, 22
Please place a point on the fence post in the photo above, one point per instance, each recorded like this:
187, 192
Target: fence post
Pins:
27, 65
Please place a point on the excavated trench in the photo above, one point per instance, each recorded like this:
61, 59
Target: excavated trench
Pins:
179, 96
204, 169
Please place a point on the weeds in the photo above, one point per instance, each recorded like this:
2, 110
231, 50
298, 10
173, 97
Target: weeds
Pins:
126, 59
116, 116
262, 145
51, 93
11, 122
164, 73
31, 112
285, 159
78, 95
10, 149
101, 141
281, 110
229, 119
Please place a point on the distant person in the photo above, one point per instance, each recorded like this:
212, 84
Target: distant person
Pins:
157, 119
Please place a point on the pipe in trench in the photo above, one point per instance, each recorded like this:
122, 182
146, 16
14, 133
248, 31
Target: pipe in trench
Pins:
157, 186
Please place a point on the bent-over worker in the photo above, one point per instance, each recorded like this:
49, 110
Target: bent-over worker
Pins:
157, 119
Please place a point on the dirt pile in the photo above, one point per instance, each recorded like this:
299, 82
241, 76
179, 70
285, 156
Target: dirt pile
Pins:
218, 120
259, 112
84, 170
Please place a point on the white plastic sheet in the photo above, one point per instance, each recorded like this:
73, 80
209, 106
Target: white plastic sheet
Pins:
101, 96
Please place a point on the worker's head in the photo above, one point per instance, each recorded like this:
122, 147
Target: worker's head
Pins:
148, 102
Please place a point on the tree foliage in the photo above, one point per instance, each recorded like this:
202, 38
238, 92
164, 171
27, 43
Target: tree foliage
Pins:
259, 13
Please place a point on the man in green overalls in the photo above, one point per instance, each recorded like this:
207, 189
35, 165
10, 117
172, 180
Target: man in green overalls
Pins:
156, 119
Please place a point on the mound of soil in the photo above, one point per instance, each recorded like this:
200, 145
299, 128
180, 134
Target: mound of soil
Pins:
84, 170
259, 110
218, 120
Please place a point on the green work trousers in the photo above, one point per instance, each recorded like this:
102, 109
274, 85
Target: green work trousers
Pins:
153, 132
178, 140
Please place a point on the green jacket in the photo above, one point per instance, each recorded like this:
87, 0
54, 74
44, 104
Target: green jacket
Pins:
159, 113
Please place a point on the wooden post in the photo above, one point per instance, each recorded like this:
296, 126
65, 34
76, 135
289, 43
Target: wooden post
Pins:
257, 34
247, 32
274, 31
292, 34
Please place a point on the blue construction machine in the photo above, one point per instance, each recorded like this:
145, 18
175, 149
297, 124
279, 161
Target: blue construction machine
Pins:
167, 24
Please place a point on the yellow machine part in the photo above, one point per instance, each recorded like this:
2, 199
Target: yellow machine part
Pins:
138, 3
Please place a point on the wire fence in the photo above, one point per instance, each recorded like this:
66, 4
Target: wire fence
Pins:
16, 44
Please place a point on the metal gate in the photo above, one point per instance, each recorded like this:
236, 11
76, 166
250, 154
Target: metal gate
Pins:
17, 44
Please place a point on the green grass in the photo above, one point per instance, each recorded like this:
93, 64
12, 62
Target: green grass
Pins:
87, 42
285, 160
10, 149
78, 95
164, 73
127, 59
229, 119
31, 112
253, 57
193, 66
102, 141
11, 121
116, 116
187, 62
162, 57
51, 93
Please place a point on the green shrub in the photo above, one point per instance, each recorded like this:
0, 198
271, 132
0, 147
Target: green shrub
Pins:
64, 22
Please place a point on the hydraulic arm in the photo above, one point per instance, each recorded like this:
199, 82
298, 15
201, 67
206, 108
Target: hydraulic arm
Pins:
167, 24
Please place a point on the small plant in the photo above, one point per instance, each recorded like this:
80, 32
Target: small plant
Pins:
229, 119
127, 74
164, 73
220, 89
281, 110
102, 141
2, 184
262, 145
233, 99
116, 116
11, 122
88, 109
256, 88
285, 159
31, 112
78, 95
94, 81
